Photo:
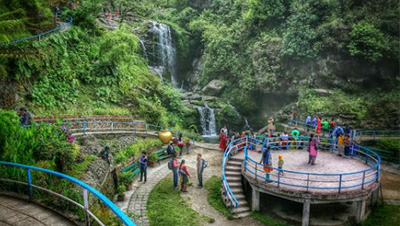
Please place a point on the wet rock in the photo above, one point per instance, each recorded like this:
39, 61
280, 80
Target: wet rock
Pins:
214, 87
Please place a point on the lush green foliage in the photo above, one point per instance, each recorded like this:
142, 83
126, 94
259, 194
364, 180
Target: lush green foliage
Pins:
165, 206
383, 215
134, 150
213, 186
266, 220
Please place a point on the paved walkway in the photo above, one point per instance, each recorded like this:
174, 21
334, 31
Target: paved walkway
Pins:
136, 200
17, 212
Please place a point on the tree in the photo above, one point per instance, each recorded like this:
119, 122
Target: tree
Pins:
367, 41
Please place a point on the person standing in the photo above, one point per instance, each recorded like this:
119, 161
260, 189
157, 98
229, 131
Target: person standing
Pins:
266, 160
332, 125
175, 168
181, 143
312, 150
188, 144
318, 129
224, 130
308, 122
143, 167
314, 122
340, 144
347, 145
325, 125
280, 165
183, 170
222, 140
201, 164
295, 137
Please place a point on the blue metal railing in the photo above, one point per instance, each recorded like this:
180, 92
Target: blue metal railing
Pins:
85, 188
304, 180
39, 36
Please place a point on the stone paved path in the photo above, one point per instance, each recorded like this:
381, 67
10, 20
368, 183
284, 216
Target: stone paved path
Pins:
138, 199
17, 212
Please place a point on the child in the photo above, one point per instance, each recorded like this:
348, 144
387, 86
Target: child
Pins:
280, 165
340, 144
188, 144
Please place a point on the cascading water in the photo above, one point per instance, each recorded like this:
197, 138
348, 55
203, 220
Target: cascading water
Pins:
166, 51
143, 48
207, 121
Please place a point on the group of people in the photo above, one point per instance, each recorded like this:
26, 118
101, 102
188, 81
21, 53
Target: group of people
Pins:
180, 141
180, 172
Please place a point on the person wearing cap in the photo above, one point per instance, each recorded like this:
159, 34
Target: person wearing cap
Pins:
280, 165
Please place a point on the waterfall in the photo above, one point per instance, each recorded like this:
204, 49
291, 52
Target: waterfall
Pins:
166, 50
143, 48
207, 121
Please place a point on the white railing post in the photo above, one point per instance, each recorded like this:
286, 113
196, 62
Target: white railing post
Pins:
86, 206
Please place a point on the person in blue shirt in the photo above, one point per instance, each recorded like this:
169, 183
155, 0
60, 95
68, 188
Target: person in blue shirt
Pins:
266, 160
308, 120
143, 167
314, 122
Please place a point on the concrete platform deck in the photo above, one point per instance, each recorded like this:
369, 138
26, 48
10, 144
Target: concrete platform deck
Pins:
326, 163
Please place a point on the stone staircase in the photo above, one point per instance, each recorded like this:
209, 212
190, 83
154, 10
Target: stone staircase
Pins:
233, 175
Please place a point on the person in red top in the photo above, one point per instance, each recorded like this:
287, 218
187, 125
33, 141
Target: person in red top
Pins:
183, 170
222, 140
318, 125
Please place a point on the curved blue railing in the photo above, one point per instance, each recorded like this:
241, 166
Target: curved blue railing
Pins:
301, 181
86, 188
39, 36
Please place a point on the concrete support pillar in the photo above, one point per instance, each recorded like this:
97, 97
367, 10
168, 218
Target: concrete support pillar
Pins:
255, 200
360, 210
375, 195
306, 213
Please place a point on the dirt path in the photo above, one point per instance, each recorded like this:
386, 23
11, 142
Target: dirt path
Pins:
198, 197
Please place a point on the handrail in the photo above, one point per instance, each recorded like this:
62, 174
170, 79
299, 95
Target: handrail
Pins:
118, 212
340, 181
225, 184
67, 24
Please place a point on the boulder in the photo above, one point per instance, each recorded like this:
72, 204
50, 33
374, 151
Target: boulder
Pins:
214, 87
195, 97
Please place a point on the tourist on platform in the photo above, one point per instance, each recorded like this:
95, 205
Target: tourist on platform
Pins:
340, 144
175, 169
318, 129
285, 140
183, 170
347, 145
314, 122
271, 127
332, 124
201, 165
188, 144
312, 149
295, 137
347, 129
181, 143
308, 121
280, 165
266, 160
143, 167
325, 125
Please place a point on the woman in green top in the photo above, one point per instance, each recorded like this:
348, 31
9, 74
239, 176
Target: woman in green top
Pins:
296, 134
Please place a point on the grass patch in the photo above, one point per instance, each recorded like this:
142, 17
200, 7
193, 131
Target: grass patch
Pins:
166, 207
213, 186
266, 220
383, 215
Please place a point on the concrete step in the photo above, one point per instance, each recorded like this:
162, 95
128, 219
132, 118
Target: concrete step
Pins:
234, 179
235, 185
235, 163
232, 168
241, 210
233, 173
237, 191
240, 215
240, 197
233, 159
